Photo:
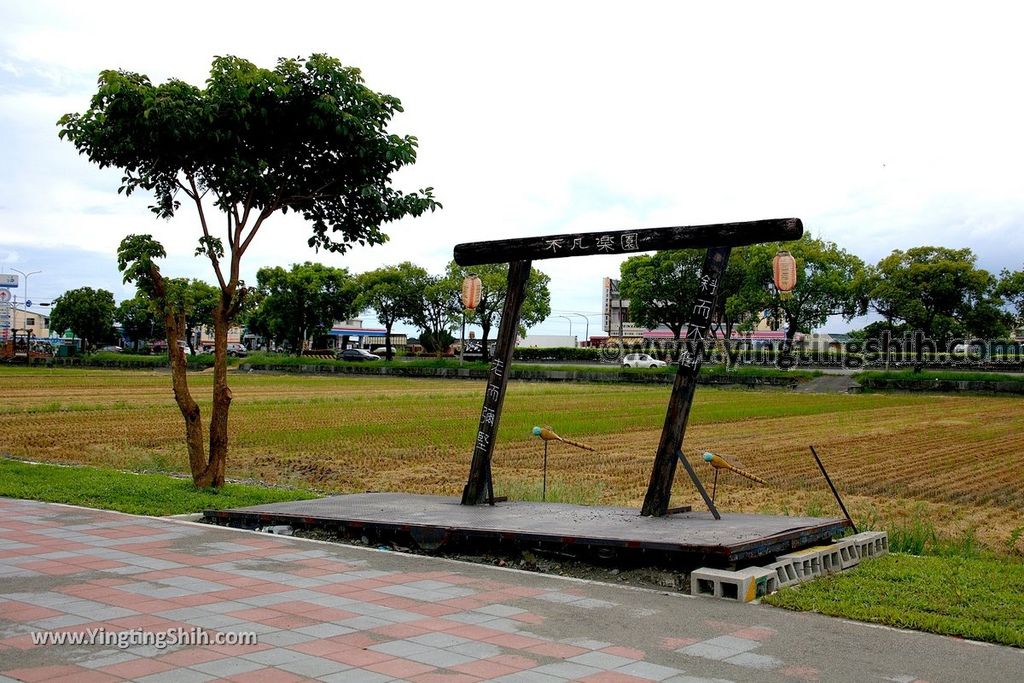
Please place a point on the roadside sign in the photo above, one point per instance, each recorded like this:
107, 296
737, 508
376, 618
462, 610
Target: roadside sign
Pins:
5, 296
8, 280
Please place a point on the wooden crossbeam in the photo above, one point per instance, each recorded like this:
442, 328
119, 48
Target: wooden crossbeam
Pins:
629, 241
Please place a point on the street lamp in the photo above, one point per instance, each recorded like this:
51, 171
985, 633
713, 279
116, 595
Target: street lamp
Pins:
28, 302
565, 317
586, 335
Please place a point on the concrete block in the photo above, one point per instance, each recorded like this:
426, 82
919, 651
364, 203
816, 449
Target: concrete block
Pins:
807, 563
743, 586
849, 555
785, 571
870, 543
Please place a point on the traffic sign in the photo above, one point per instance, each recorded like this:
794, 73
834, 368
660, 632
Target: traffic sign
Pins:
5, 296
8, 280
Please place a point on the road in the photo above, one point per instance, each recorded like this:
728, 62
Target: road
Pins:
341, 613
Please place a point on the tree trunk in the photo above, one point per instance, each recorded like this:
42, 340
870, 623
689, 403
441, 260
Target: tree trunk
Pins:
387, 341
214, 473
174, 327
486, 330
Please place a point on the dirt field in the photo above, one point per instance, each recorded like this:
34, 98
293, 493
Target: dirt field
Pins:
957, 460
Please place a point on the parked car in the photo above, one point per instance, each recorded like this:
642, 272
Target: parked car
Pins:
236, 349
111, 349
641, 360
357, 354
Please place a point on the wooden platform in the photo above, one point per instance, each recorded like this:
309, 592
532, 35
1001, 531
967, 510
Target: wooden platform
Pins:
433, 522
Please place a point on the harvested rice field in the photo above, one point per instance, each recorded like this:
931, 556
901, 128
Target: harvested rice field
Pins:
957, 461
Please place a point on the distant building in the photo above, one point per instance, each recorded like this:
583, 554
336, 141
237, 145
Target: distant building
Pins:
350, 334
23, 321
548, 341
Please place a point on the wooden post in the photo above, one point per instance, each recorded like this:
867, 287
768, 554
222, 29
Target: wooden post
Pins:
659, 490
479, 487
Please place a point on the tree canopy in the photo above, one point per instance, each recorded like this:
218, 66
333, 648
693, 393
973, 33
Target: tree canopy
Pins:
939, 292
137, 318
87, 312
306, 136
494, 288
662, 287
830, 281
393, 293
301, 303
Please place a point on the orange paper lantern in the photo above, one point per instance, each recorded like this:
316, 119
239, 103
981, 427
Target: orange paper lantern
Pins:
471, 288
784, 272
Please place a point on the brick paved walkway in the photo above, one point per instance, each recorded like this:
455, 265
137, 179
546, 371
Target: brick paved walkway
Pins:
336, 613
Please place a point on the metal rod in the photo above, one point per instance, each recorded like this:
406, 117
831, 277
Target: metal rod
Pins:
714, 487
832, 486
544, 486
696, 482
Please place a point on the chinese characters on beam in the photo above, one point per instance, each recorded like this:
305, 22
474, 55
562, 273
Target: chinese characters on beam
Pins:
593, 244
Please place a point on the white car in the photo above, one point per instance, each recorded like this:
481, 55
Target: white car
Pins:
641, 360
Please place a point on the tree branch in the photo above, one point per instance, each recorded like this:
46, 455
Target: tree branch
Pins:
206, 230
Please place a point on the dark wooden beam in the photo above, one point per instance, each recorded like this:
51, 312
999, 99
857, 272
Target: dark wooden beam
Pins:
659, 490
629, 241
479, 487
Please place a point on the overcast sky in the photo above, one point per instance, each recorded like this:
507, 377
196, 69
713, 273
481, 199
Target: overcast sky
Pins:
882, 126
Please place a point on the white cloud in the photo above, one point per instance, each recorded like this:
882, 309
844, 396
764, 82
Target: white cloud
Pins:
882, 127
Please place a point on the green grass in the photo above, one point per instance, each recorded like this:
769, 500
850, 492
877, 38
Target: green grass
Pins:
264, 360
933, 375
142, 494
977, 598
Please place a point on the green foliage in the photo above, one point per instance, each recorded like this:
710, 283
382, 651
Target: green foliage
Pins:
307, 136
661, 287
1011, 288
494, 288
437, 310
939, 292
140, 494
301, 303
557, 354
938, 375
830, 281
137, 318
88, 312
393, 293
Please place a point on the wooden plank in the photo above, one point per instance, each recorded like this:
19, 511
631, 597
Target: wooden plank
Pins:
696, 483
659, 490
629, 241
479, 487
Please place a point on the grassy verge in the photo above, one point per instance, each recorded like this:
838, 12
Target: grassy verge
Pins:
264, 360
932, 375
142, 494
977, 598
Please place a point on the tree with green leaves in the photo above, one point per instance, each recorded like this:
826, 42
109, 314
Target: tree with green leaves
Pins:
393, 293
1011, 289
662, 288
137, 318
306, 136
301, 303
494, 289
830, 281
938, 292
438, 310
87, 312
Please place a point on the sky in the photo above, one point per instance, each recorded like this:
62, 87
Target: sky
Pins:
881, 125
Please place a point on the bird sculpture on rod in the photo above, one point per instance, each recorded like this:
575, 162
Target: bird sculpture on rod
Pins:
547, 434
720, 463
